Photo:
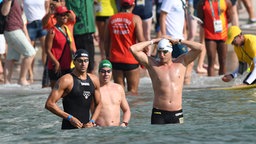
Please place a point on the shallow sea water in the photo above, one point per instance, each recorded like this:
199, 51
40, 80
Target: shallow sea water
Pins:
210, 116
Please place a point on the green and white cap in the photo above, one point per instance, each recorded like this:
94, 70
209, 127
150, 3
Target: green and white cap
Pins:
105, 63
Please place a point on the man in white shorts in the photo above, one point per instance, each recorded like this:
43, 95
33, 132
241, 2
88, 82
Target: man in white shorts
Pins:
18, 43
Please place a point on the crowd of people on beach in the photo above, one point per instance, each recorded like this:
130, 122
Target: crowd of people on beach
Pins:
94, 94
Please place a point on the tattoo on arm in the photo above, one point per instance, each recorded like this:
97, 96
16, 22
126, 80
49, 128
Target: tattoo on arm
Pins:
56, 86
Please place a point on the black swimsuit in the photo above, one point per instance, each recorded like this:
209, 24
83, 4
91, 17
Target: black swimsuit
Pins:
78, 101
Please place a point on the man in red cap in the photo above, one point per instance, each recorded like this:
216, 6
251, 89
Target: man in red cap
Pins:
48, 21
123, 30
127, 3
61, 10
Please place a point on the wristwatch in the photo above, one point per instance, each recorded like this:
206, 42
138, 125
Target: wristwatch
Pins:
125, 123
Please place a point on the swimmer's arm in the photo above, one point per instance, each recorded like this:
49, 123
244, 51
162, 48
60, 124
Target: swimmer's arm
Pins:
51, 103
137, 51
62, 85
96, 102
195, 50
139, 31
125, 108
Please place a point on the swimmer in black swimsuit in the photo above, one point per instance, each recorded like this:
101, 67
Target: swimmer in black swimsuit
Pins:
81, 95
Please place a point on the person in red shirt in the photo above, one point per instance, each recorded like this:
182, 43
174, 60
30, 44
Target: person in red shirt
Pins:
216, 14
59, 46
122, 31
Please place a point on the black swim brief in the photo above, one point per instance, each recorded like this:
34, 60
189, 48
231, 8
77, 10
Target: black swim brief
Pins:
166, 117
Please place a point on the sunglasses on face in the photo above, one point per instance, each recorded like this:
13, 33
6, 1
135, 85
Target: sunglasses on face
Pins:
105, 71
81, 60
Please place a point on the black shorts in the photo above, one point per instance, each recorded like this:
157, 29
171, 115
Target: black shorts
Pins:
233, 2
85, 41
54, 76
144, 11
102, 18
166, 117
35, 30
124, 67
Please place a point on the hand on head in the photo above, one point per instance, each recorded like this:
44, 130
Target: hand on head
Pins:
173, 41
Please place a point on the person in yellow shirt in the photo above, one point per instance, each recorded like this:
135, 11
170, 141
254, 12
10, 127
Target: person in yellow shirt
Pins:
245, 49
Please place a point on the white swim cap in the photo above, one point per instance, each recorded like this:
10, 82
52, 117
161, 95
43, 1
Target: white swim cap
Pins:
163, 45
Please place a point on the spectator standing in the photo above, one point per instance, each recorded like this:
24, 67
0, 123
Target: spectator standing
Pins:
105, 9
58, 46
85, 27
144, 9
35, 11
215, 14
123, 29
17, 41
192, 26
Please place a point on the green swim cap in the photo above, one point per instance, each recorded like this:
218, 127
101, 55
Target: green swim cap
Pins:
105, 63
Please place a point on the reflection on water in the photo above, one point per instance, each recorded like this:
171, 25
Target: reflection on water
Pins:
211, 116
